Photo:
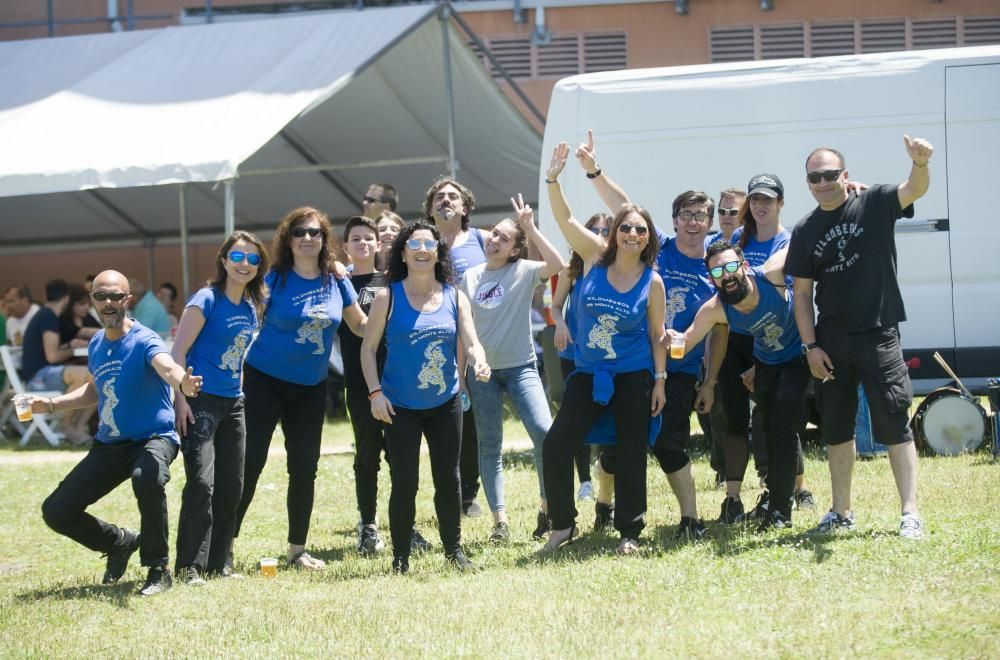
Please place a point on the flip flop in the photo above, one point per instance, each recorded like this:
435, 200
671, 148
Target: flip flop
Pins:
307, 562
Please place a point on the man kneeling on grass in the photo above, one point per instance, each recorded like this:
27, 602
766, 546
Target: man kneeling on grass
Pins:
133, 374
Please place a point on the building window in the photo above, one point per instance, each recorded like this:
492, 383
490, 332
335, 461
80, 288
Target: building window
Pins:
565, 54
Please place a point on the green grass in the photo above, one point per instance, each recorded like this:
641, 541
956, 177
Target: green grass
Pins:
735, 595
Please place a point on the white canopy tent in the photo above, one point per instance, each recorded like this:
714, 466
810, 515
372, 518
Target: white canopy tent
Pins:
110, 139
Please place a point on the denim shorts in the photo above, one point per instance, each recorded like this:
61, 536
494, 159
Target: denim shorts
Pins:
48, 378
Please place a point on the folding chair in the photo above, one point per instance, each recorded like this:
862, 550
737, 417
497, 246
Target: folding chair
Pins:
44, 423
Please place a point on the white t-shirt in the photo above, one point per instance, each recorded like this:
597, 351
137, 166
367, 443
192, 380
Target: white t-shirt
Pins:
16, 327
501, 310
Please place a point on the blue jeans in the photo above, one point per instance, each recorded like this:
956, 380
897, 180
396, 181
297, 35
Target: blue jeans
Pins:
524, 387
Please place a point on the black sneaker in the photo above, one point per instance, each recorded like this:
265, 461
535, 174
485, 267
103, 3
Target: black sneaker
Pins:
461, 562
692, 529
500, 533
418, 543
542, 526
471, 509
127, 544
369, 542
604, 517
189, 575
732, 511
775, 520
228, 571
400, 565
760, 510
804, 500
158, 580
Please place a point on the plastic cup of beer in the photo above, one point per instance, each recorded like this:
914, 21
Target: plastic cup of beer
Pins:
677, 346
269, 567
22, 403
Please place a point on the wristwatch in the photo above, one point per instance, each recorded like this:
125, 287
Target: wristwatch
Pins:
660, 375
808, 347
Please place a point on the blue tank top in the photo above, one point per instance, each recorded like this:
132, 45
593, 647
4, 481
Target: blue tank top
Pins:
572, 311
772, 323
612, 330
688, 287
468, 254
421, 371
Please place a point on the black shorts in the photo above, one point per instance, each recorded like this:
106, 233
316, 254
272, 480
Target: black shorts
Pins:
676, 429
875, 359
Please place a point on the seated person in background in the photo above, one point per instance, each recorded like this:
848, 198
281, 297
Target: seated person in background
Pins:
43, 358
167, 295
149, 311
75, 322
19, 311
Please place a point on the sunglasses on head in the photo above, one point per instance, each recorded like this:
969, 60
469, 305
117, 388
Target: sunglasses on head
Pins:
102, 296
729, 267
825, 175
428, 244
626, 228
725, 212
252, 257
600, 232
300, 232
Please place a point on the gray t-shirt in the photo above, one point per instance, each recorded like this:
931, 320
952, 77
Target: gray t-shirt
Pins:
501, 310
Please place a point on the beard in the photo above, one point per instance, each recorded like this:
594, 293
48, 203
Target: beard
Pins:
112, 321
734, 296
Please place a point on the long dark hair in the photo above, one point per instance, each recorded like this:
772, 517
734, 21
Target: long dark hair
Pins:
282, 243
520, 240
255, 290
575, 268
77, 292
648, 255
749, 223
397, 270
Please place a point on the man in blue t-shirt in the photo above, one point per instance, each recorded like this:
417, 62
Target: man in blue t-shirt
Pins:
133, 375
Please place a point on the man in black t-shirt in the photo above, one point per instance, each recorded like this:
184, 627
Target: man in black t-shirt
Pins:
847, 247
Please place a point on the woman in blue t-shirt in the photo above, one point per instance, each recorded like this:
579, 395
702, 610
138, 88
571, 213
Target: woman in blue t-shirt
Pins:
213, 335
287, 366
619, 325
421, 316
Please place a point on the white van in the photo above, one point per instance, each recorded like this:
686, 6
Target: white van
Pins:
708, 127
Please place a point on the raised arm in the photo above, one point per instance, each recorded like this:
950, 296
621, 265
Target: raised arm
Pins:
919, 151
610, 192
588, 245
526, 220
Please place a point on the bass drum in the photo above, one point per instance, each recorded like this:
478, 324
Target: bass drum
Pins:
949, 423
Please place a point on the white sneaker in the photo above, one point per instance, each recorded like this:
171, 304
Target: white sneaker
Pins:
911, 527
586, 491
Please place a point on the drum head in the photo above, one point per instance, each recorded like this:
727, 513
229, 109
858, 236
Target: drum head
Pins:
952, 424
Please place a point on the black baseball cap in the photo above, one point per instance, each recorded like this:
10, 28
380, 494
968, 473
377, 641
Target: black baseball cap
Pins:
766, 184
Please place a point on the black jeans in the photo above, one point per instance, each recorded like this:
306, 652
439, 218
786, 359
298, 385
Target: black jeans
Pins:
579, 412
147, 464
781, 398
582, 458
469, 461
442, 426
301, 411
369, 444
214, 450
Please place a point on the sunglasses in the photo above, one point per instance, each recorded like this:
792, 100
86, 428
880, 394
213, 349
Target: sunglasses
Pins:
825, 175
428, 244
601, 232
252, 257
102, 296
626, 228
730, 267
300, 232
372, 200
687, 216
725, 212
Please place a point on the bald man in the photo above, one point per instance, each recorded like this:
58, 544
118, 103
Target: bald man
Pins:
133, 375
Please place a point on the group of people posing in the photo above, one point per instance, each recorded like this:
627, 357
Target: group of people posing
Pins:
436, 313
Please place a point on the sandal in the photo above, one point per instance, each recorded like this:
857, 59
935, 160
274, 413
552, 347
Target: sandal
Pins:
627, 547
555, 543
305, 561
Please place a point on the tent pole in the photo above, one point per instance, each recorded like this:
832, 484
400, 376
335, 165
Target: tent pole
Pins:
182, 221
230, 225
151, 264
448, 92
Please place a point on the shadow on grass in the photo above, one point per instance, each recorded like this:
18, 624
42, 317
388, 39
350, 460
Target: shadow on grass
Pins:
118, 595
733, 540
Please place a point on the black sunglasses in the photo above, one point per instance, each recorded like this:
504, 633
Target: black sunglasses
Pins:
371, 200
101, 296
826, 175
626, 228
300, 232
723, 211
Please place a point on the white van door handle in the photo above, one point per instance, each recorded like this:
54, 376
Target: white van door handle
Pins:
907, 226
